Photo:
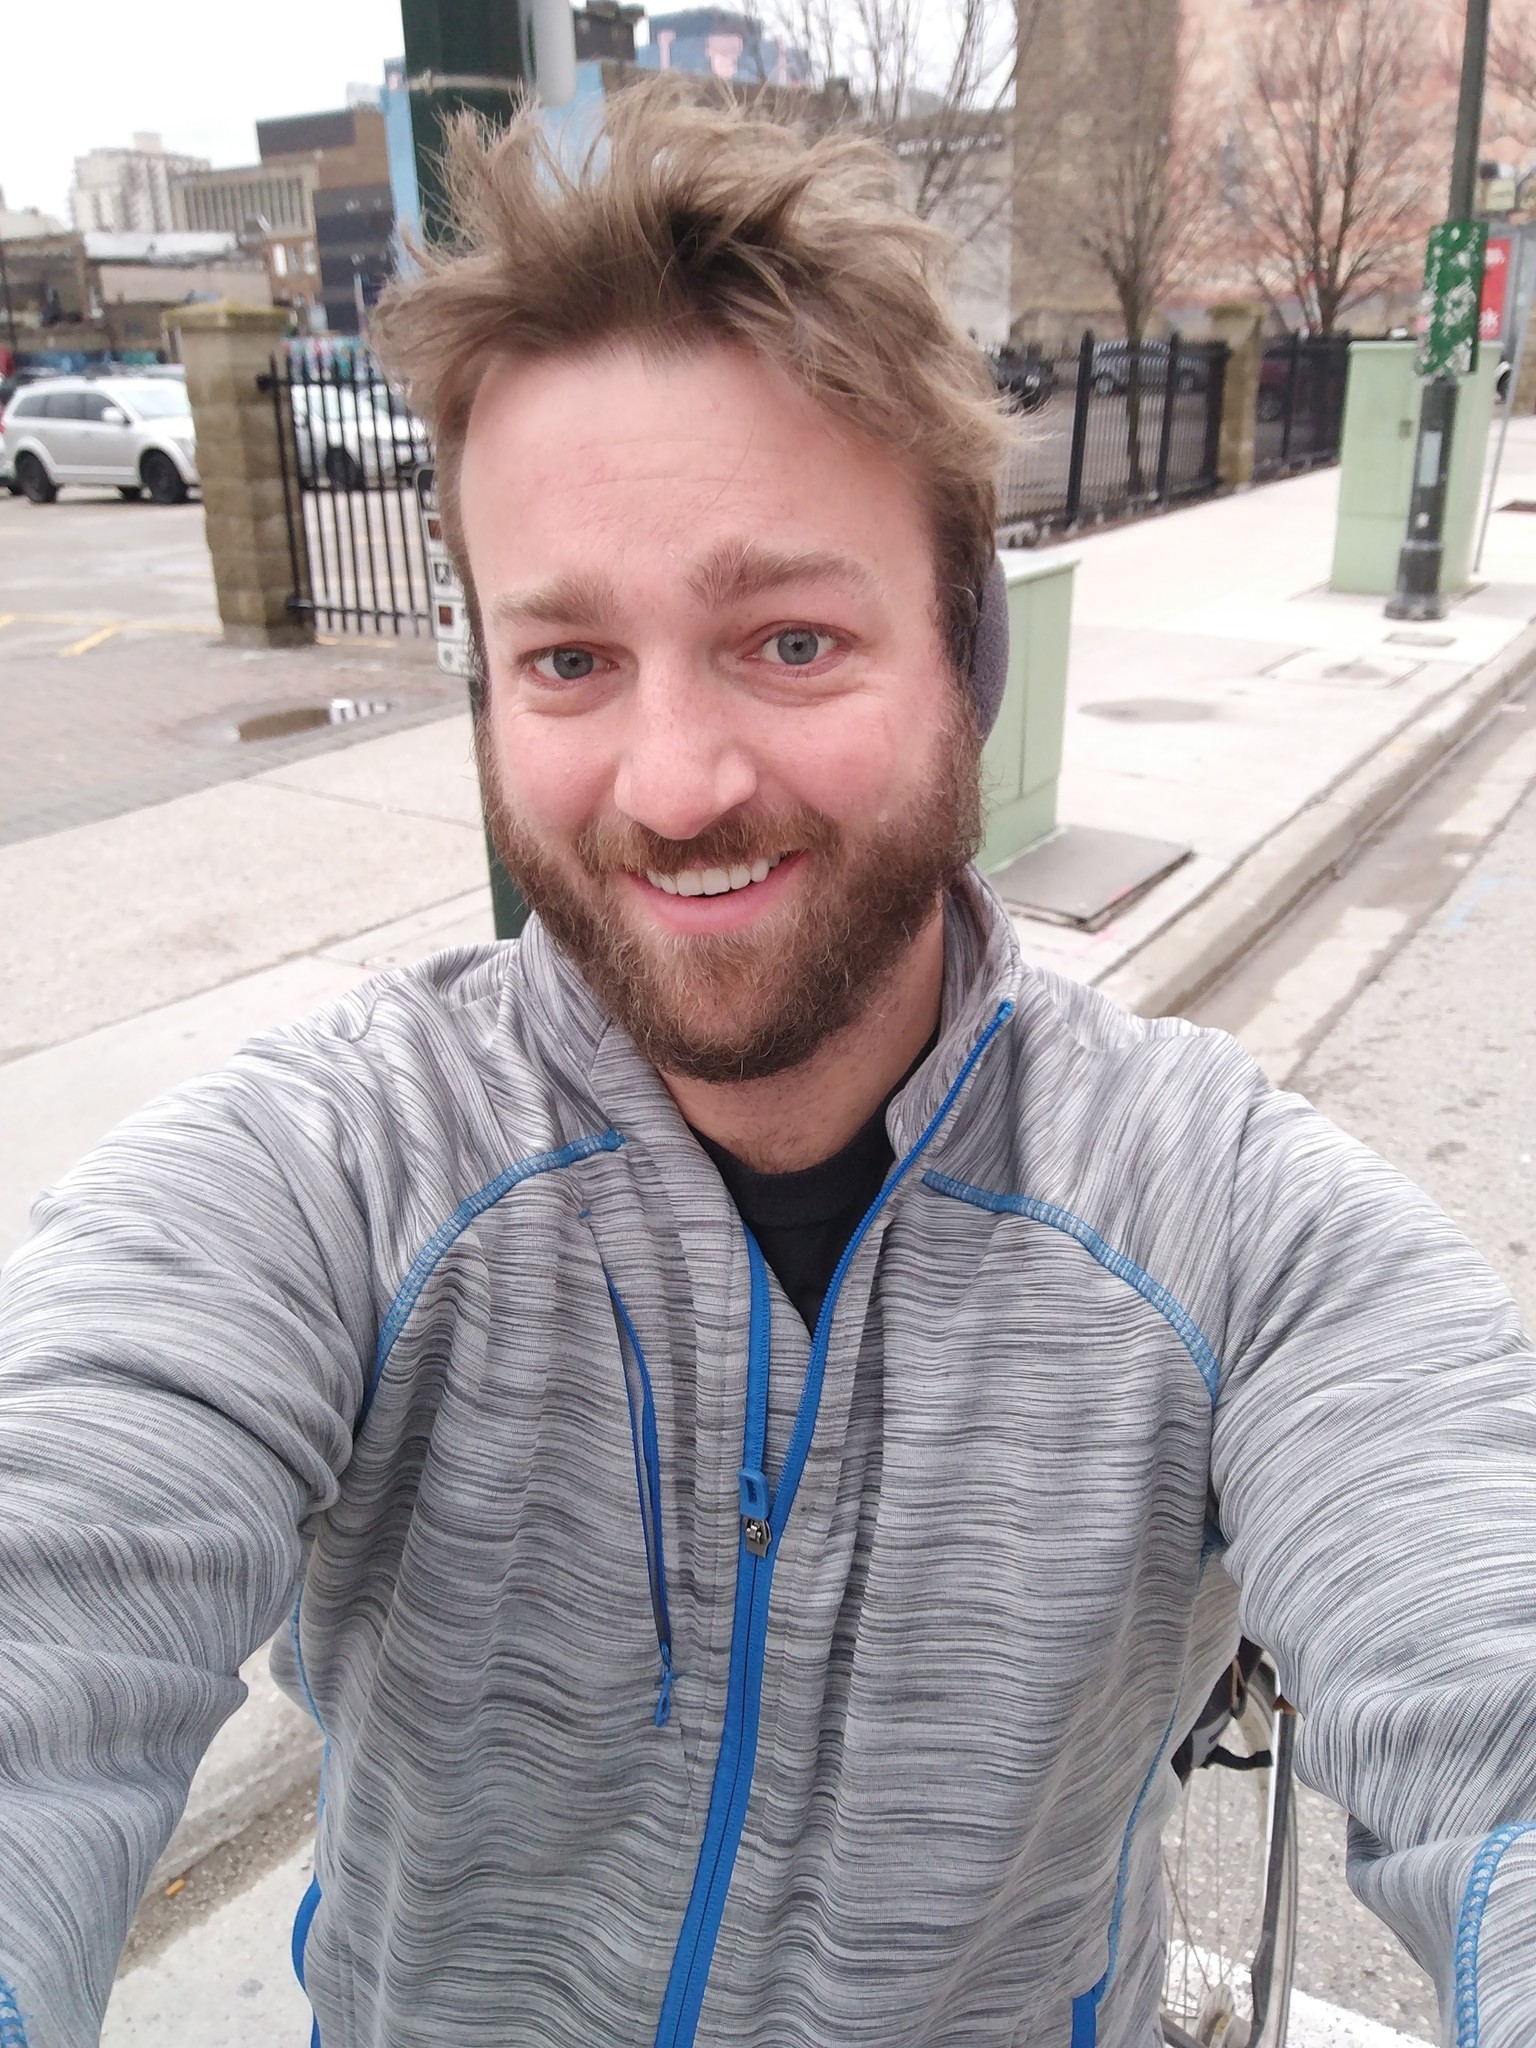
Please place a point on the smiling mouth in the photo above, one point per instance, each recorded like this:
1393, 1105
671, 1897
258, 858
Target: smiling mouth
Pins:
713, 881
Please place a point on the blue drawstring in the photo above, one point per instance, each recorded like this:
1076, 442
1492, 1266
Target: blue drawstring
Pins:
664, 1689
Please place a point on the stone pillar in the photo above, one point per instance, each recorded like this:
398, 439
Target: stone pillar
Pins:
226, 348
1240, 324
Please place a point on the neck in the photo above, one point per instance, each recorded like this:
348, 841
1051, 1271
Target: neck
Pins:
807, 1113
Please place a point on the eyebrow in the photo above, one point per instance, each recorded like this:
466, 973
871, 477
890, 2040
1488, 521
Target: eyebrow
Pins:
729, 574
567, 601
740, 569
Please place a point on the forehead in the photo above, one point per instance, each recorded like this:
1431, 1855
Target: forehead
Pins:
623, 460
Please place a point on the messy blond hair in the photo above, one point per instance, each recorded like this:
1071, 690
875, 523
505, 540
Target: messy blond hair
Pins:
688, 222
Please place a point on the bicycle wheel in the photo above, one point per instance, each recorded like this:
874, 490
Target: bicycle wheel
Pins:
1229, 1872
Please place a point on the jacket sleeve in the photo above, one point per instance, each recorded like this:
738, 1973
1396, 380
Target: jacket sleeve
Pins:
1374, 1460
181, 1347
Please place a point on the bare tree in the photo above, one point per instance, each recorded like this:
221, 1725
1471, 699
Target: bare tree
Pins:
1334, 184
1512, 59
1151, 204
932, 79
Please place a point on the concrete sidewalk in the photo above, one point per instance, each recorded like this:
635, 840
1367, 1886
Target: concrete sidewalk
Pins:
1219, 695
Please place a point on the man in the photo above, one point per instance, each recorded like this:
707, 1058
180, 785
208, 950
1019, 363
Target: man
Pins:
741, 1395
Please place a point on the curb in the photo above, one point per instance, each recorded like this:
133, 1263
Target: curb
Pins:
1179, 963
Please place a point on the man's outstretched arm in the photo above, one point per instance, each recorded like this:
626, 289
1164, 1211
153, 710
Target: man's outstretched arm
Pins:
1375, 1464
180, 1359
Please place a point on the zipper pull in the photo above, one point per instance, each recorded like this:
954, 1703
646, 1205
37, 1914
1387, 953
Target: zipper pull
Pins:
754, 1512
664, 1688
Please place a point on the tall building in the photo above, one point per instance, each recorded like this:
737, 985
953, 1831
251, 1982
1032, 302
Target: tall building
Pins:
1095, 87
270, 207
319, 203
352, 203
129, 191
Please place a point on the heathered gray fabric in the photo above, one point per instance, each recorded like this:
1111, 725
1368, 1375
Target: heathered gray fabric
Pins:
994, 1607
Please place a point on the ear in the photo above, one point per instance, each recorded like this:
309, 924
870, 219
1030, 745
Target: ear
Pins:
989, 657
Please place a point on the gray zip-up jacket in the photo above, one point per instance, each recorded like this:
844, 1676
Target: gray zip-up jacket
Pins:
683, 1678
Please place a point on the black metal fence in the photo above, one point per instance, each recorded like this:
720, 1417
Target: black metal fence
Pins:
1107, 431
1104, 431
349, 447
1300, 403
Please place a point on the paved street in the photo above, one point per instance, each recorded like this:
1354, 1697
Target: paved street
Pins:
119, 691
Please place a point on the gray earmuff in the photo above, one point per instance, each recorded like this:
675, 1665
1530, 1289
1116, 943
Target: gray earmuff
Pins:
989, 658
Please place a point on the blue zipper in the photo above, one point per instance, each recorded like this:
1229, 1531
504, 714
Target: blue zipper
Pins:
642, 1428
763, 1519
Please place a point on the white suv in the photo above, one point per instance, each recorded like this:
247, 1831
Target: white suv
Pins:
134, 432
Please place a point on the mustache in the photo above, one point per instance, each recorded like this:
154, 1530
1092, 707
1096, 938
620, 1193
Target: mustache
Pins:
620, 846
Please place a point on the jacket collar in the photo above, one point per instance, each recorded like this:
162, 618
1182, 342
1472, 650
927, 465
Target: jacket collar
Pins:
591, 1055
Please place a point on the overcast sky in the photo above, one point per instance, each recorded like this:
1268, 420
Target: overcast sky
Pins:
202, 72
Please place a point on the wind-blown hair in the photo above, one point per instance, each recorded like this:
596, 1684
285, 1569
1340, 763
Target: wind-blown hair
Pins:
685, 223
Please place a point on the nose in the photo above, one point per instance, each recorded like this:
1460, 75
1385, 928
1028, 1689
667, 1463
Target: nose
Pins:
684, 764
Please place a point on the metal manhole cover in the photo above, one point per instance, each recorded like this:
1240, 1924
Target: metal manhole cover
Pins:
1151, 710
293, 718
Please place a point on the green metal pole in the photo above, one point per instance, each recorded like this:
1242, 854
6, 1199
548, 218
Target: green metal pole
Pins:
461, 54
1422, 558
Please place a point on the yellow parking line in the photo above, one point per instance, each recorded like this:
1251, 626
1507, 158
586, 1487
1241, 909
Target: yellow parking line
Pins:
118, 625
92, 640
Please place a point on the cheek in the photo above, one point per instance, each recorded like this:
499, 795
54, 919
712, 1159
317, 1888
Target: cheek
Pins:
861, 760
551, 771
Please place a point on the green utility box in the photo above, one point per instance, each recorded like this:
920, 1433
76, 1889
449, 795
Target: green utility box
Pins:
1022, 761
1381, 425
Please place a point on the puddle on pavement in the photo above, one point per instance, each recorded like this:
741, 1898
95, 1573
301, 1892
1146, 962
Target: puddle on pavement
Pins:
295, 718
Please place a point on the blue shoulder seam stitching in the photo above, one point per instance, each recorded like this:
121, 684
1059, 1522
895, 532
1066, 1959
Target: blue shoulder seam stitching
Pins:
1167, 1305
1469, 1925
13, 2030
410, 1289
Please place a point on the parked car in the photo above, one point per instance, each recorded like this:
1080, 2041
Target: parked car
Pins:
9, 386
354, 435
1024, 376
1112, 368
133, 432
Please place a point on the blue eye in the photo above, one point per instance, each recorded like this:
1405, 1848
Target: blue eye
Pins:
564, 664
797, 646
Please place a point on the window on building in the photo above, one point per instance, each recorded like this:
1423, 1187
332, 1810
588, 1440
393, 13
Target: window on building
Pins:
279, 260
309, 258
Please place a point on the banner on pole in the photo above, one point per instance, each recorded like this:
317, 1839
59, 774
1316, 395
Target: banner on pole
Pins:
1453, 285
1495, 294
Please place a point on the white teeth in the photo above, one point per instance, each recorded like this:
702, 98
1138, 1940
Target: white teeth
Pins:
712, 881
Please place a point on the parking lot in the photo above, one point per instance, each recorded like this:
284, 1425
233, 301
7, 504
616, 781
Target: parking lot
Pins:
118, 690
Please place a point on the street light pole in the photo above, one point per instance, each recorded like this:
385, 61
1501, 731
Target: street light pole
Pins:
1419, 565
473, 56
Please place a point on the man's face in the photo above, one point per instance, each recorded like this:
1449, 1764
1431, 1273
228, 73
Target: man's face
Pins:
727, 759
